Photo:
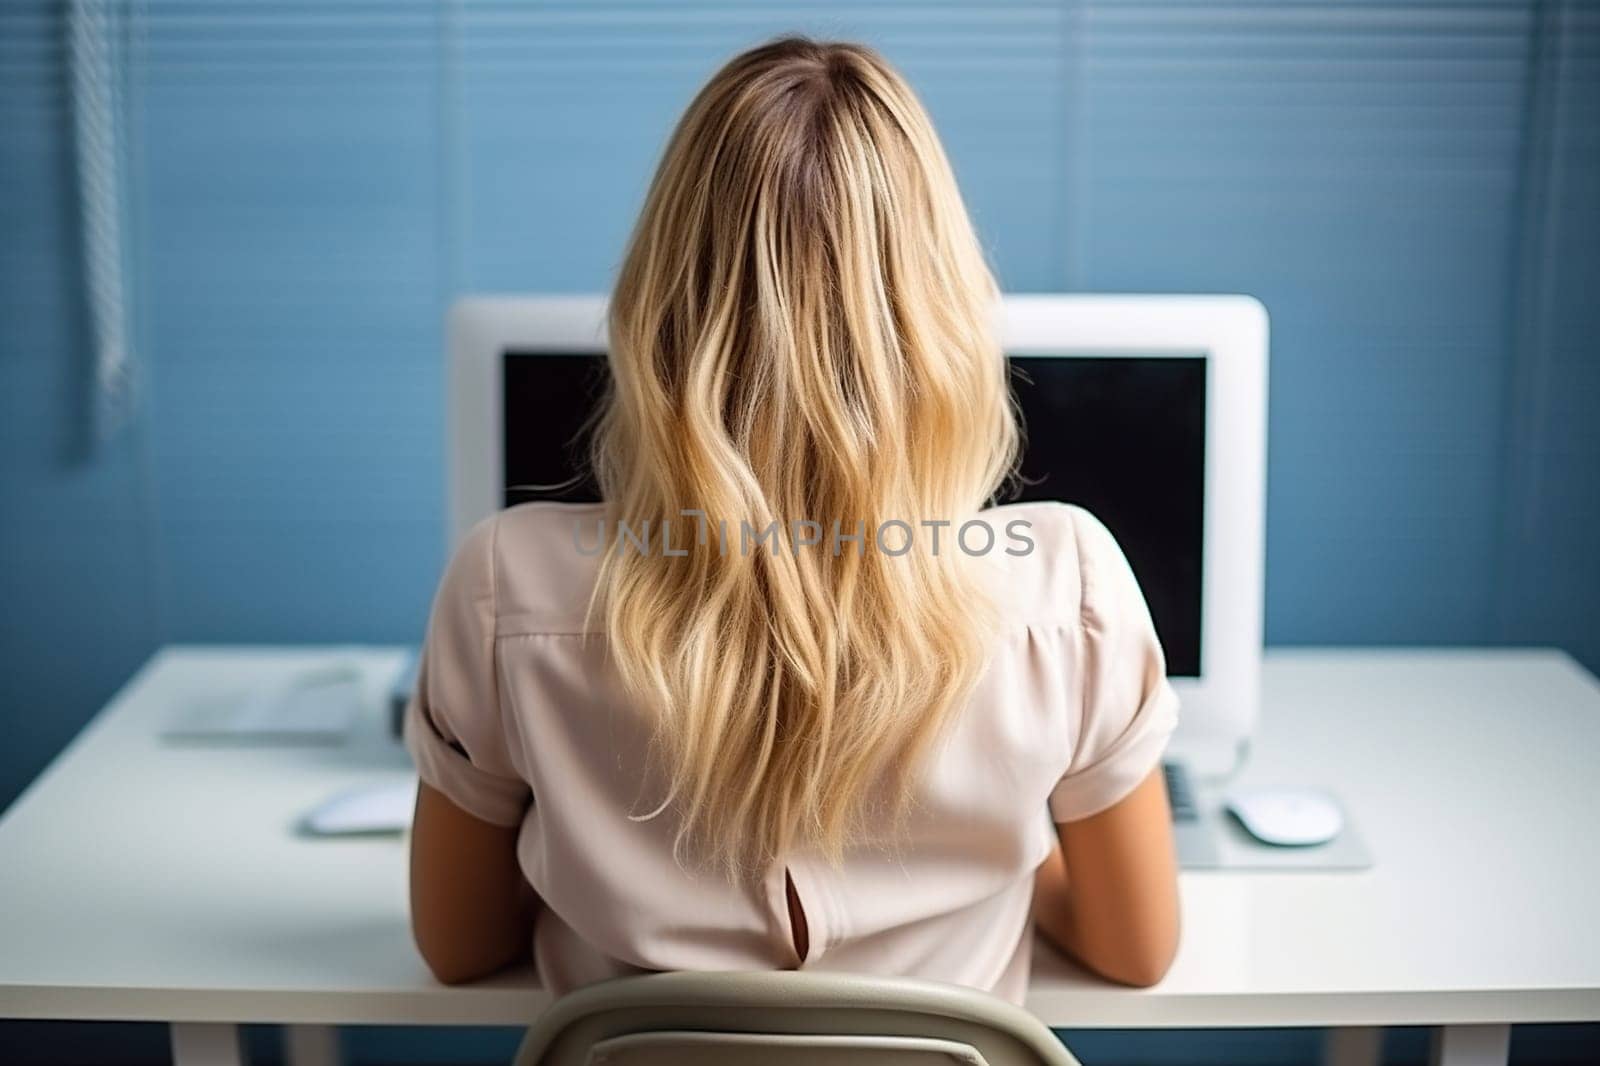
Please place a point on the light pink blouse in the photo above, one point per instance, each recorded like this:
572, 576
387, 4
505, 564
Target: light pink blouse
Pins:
519, 720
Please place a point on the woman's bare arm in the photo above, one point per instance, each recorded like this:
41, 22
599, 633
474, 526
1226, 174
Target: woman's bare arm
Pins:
471, 909
1108, 895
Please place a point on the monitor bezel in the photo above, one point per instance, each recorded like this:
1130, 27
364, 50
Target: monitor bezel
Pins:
1229, 331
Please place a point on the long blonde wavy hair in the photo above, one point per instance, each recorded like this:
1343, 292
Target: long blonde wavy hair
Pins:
800, 331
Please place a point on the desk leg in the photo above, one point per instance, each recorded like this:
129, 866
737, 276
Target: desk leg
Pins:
206, 1044
1471, 1045
311, 1045
1353, 1045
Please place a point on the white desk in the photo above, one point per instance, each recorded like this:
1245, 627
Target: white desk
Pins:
148, 881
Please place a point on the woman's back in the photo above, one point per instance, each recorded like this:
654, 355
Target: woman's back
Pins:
521, 720
783, 699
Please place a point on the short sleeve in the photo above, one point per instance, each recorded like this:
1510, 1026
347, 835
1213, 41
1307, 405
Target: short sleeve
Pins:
454, 725
1126, 706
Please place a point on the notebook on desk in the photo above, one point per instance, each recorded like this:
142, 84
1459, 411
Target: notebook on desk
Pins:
316, 705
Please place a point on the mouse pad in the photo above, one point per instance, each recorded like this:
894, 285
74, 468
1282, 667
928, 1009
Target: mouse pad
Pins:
1238, 850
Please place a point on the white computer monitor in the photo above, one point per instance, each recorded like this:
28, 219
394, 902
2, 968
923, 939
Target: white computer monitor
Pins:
1180, 379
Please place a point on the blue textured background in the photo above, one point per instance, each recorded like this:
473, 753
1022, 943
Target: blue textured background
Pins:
1413, 189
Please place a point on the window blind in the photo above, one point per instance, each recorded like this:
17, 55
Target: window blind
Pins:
313, 181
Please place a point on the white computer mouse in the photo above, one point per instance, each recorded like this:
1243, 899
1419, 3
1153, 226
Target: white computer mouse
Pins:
1287, 817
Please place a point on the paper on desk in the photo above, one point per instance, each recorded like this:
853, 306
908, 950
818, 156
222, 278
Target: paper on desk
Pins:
315, 705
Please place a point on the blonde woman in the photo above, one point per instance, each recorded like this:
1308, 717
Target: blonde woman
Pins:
769, 705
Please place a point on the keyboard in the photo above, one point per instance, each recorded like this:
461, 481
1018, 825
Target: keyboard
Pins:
1180, 795
1193, 836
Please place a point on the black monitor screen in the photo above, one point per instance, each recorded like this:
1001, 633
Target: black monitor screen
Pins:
1121, 436
549, 401
1125, 437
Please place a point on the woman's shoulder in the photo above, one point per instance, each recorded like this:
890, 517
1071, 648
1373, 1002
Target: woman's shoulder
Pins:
530, 557
1054, 564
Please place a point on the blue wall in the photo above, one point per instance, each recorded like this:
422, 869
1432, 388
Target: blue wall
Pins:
1412, 189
